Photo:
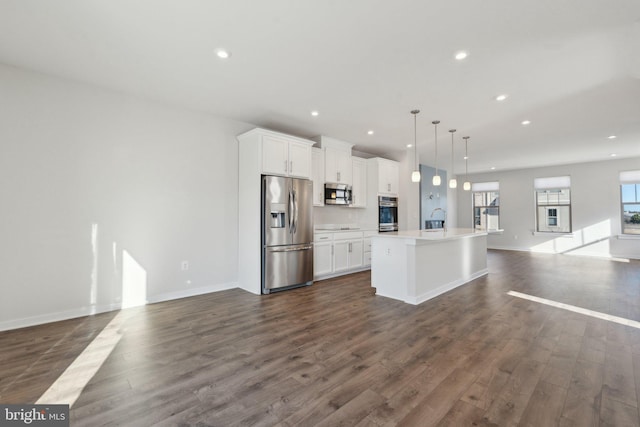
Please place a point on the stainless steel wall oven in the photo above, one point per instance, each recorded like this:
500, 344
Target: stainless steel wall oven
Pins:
387, 213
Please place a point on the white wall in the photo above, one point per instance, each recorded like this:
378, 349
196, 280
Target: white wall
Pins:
595, 204
100, 190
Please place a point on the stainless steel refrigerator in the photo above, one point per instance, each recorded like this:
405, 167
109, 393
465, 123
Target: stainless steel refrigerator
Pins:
287, 233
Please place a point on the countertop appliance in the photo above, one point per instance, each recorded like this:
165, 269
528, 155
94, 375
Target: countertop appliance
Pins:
337, 194
287, 233
387, 213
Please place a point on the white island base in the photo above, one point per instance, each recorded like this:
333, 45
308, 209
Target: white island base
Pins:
415, 266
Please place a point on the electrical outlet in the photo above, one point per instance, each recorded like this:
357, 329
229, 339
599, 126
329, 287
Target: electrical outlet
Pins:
388, 251
184, 266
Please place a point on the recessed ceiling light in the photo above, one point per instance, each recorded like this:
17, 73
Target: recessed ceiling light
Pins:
314, 113
612, 137
461, 55
466, 158
501, 97
409, 145
223, 53
370, 132
613, 154
526, 122
493, 168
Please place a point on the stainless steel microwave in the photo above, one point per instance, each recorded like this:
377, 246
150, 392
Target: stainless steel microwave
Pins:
337, 194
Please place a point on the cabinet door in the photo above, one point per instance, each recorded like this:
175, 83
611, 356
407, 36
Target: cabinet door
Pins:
359, 194
322, 259
317, 174
275, 153
394, 177
340, 255
388, 177
356, 253
345, 167
331, 165
299, 160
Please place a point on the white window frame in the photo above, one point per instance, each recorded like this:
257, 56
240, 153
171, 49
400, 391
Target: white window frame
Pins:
485, 187
548, 185
628, 178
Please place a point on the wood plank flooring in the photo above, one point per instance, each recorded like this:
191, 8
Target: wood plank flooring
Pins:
335, 354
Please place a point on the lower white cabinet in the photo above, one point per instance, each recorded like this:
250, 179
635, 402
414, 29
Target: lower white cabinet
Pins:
339, 253
347, 254
322, 258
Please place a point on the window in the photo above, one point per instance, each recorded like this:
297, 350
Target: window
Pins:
630, 201
553, 204
486, 206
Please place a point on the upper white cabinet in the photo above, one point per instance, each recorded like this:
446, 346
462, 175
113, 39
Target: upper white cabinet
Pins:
317, 175
385, 174
285, 155
338, 166
337, 160
359, 190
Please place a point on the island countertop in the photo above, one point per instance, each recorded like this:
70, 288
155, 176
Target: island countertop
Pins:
434, 234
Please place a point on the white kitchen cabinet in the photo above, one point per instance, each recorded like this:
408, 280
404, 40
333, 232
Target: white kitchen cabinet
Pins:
347, 254
341, 252
359, 190
356, 253
385, 175
341, 256
322, 258
286, 157
317, 175
299, 160
338, 167
389, 177
337, 160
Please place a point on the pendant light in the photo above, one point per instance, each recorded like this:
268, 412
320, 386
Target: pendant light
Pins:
467, 185
415, 175
453, 183
436, 177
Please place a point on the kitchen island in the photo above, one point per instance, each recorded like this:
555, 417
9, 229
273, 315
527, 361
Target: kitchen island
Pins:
415, 266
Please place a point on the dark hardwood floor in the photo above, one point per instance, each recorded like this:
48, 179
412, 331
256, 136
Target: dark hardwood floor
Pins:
335, 354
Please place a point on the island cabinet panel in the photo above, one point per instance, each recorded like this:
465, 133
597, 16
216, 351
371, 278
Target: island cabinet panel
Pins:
415, 266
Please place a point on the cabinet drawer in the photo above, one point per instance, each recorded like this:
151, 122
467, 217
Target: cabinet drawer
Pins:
323, 237
369, 233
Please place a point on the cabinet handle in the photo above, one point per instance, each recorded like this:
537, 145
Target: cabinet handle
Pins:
350, 247
331, 249
338, 176
285, 166
291, 166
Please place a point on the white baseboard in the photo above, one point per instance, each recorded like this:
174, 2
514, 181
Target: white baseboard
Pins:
88, 311
419, 299
56, 317
192, 292
341, 273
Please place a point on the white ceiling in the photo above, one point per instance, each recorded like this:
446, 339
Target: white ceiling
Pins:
572, 67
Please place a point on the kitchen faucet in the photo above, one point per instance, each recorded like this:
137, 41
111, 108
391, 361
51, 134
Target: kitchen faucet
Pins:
444, 224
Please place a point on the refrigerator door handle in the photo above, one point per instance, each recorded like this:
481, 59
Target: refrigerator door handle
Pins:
295, 214
291, 208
